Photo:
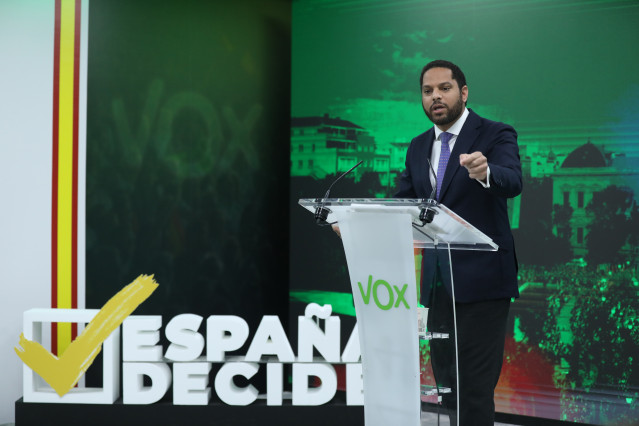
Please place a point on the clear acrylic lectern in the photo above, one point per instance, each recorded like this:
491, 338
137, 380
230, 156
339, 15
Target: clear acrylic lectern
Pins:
379, 236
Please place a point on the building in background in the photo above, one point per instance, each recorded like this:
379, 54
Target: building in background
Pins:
585, 171
324, 145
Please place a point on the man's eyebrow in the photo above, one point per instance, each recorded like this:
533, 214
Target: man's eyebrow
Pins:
444, 83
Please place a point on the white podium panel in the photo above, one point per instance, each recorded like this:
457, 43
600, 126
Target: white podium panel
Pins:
378, 237
382, 272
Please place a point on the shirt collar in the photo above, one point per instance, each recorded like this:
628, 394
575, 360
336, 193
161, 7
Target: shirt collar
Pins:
456, 127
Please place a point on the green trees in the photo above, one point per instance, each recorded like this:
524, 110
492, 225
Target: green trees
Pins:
536, 243
614, 223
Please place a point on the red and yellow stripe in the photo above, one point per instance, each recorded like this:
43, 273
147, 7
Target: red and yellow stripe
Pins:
64, 212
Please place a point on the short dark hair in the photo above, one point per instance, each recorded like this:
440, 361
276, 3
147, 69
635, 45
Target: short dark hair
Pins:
458, 75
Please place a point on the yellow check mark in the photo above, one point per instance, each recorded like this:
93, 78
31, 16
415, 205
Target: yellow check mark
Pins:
64, 372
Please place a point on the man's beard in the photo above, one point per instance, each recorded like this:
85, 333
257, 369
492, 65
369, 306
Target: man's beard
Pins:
452, 114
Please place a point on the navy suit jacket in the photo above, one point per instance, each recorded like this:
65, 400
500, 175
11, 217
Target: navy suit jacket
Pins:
477, 275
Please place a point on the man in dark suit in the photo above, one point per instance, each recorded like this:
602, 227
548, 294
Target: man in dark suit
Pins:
478, 169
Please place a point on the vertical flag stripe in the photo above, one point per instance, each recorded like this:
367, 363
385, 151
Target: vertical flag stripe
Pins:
54, 176
76, 125
65, 192
65, 168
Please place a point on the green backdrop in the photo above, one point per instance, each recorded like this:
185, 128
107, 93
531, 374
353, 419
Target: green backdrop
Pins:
187, 134
564, 74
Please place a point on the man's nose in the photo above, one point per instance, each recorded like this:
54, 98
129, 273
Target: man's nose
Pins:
437, 94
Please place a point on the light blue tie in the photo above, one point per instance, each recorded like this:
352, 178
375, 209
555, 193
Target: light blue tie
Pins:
443, 161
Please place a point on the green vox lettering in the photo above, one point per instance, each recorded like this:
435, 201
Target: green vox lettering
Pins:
366, 296
391, 297
400, 296
395, 294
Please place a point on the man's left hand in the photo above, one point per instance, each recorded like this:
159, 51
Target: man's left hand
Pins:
476, 164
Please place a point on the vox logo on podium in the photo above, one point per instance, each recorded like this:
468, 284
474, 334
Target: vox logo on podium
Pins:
384, 295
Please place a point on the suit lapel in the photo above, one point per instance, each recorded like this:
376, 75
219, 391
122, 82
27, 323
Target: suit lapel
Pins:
465, 141
426, 154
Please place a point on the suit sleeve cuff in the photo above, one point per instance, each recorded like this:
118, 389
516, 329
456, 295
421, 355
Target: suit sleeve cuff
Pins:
487, 183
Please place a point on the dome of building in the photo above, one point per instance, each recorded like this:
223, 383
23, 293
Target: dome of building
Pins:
587, 155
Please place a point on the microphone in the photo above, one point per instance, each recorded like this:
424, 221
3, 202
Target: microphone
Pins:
321, 212
427, 214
